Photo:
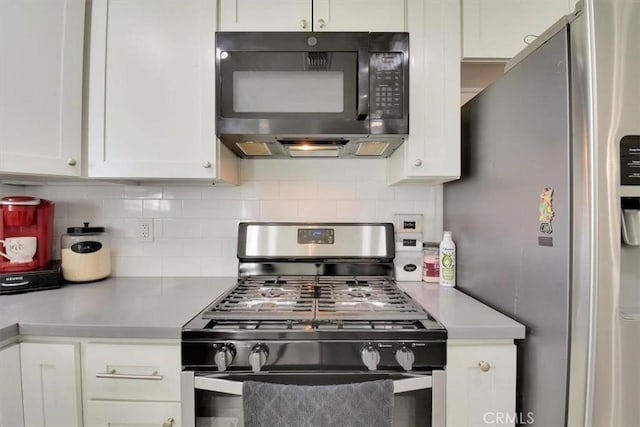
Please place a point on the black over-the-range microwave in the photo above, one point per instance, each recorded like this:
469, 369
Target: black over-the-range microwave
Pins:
296, 94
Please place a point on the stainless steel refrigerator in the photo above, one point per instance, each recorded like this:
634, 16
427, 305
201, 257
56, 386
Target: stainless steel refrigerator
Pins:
548, 172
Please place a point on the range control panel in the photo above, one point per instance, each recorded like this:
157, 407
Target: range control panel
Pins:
318, 236
386, 85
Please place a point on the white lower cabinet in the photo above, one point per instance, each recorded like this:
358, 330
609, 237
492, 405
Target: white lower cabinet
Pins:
131, 383
10, 387
51, 384
481, 383
132, 414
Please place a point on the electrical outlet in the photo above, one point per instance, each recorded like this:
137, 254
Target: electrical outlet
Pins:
145, 230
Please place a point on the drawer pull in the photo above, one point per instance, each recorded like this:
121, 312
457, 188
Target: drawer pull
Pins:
113, 374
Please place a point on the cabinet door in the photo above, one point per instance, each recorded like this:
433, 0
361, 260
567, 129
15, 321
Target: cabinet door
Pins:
151, 95
132, 414
359, 15
261, 15
10, 388
41, 86
499, 29
431, 153
51, 384
481, 384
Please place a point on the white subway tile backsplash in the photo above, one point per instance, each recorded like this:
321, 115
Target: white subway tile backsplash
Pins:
223, 266
142, 192
196, 226
374, 190
222, 193
179, 228
385, 210
411, 192
181, 192
182, 266
336, 190
298, 190
318, 210
107, 191
356, 210
260, 190
85, 210
279, 210
219, 228
162, 208
136, 266
122, 208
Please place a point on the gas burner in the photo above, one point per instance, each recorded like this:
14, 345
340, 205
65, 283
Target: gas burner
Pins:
272, 292
359, 292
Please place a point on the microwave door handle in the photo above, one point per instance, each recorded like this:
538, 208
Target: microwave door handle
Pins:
363, 83
218, 385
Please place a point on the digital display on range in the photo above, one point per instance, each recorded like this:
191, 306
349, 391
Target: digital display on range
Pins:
318, 236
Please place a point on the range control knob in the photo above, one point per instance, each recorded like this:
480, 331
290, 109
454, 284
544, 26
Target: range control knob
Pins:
405, 357
370, 357
258, 357
224, 356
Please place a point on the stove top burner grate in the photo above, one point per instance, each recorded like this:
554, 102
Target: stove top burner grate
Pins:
320, 298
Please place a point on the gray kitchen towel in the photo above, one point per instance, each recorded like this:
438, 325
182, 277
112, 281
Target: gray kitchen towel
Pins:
365, 404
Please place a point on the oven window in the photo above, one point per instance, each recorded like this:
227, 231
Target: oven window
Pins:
411, 409
288, 91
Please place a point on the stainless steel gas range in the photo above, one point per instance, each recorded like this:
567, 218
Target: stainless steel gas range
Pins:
315, 304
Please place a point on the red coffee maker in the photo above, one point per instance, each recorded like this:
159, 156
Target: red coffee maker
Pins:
26, 236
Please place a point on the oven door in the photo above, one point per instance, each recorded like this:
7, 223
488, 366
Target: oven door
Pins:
216, 399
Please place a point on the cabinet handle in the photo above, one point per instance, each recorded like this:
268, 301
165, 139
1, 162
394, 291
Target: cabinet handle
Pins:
484, 366
303, 23
206, 164
72, 162
114, 375
529, 38
321, 23
418, 162
168, 423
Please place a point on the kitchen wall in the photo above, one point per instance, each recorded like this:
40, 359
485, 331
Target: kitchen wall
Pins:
195, 225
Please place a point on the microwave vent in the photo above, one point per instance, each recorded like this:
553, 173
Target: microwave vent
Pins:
251, 148
317, 60
372, 148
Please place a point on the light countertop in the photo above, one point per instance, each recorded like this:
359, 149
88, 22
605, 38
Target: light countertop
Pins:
118, 307
157, 307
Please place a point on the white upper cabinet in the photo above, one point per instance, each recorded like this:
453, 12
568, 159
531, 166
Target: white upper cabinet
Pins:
499, 29
261, 15
41, 86
312, 15
431, 153
151, 92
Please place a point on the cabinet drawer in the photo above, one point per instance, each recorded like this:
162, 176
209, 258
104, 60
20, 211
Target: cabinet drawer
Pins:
132, 414
132, 371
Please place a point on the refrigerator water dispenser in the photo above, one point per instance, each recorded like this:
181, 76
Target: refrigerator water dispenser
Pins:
631, 221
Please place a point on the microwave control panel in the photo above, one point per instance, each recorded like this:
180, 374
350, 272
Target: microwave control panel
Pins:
385, 71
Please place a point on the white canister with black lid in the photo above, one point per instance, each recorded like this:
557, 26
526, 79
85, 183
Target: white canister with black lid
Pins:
85, 253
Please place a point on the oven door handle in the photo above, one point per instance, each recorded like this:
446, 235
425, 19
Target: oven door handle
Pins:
221, 385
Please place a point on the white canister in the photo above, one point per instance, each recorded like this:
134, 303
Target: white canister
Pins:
85, 253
